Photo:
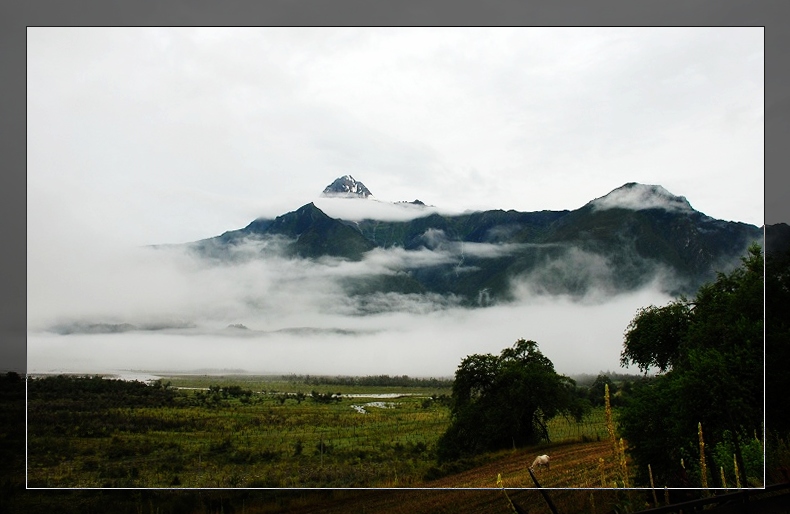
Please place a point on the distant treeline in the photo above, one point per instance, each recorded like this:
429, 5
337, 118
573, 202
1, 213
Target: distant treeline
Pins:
585, 379
378, 380
99, 392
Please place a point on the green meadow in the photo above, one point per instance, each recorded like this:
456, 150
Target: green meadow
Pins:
242, 431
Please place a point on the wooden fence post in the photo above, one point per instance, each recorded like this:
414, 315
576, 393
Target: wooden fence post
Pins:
542, 492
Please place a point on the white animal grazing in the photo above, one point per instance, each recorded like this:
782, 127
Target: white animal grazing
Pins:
542, 460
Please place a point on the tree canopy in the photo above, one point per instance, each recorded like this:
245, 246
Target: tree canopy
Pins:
654, 335
710, 350
506, 400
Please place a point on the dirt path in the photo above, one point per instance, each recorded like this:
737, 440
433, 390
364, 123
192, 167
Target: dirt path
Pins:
572, 465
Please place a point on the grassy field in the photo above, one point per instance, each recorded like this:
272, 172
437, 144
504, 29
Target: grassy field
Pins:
240, 431
89, 433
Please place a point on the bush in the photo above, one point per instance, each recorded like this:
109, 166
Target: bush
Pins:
752, 451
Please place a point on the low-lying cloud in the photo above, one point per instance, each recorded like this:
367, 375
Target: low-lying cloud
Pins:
357, 209
641, 196
167, 309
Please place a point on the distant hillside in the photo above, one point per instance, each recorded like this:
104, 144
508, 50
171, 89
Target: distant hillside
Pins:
308, 231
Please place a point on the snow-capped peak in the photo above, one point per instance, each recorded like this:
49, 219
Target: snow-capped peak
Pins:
346, 186
636, 197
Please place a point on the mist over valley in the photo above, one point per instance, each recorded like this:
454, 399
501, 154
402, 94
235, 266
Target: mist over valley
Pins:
411, 292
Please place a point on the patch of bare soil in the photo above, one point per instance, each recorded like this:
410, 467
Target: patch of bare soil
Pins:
572, 466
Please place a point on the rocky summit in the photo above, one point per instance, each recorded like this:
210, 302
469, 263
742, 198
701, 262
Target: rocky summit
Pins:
346, 186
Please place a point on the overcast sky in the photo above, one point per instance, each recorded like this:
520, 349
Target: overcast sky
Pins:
158, 135
140, 136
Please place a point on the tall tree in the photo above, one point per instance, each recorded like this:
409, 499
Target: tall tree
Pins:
711, 352
506, 400
598, 390
654, 336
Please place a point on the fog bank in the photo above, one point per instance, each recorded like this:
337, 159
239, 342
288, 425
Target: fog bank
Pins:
165, 309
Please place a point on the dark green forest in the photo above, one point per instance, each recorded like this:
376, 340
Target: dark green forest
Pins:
704, 412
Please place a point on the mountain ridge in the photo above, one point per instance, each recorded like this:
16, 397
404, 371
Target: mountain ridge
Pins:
620, 241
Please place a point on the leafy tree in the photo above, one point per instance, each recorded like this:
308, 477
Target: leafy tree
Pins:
711, 352
598, 390
654, 335
506, 400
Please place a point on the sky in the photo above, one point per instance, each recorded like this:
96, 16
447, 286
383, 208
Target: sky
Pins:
144, 136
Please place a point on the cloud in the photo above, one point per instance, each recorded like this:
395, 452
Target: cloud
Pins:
568, 272
253, 281
490, 250
356, 209
299, 316
575, 270
392, 260
173, 286
576, 337
640, 196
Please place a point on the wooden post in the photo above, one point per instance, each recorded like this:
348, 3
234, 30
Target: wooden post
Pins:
543, 492
652, 485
